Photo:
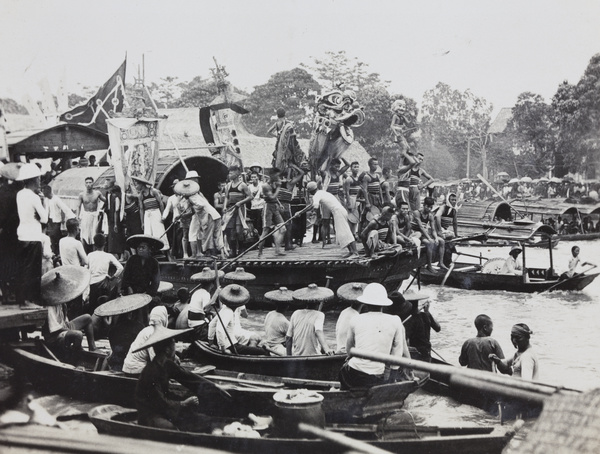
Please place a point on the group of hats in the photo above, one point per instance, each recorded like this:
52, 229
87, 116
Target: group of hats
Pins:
17, 171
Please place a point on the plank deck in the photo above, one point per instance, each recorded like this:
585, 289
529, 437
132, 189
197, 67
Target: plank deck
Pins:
11, 316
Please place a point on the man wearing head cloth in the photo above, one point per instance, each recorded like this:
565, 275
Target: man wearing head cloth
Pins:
374, 332
524, 364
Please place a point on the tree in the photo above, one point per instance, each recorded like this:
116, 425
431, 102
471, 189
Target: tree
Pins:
293, 90
10, 106
451, 119
196, 93
532, 134
577, 114
166, 92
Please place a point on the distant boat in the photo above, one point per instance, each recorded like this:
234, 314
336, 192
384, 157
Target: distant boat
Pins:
470, 276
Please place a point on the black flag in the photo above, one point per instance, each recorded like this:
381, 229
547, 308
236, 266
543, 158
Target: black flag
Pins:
108, 98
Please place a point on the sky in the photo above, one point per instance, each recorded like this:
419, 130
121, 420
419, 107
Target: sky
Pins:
497, 49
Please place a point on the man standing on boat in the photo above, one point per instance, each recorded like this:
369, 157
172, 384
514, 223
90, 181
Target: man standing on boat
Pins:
343, 234
89, 214
237, 195
57, 209
374, 332
512, 265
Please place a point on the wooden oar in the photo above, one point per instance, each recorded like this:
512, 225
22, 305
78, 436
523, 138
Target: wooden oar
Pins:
499, 195
264, 384
342, 440
449, 271
219, 315
568, 279
506, 386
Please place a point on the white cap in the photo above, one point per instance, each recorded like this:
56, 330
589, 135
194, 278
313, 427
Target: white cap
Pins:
375, 295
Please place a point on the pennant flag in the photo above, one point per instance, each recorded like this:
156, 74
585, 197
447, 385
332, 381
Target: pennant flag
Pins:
108, 98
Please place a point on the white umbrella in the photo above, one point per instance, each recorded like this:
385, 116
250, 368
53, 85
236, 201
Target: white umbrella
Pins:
555, 180
535, 180
514, 180
526, 180
503, 174
544, 180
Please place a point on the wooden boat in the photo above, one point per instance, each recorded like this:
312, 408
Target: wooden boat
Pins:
318, 367
502, 225
114, 420
470, 277
254, 393
303, 266
85, 378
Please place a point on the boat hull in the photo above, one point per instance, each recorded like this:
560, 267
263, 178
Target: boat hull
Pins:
309, 264
474, 280
319, 367
82, 382
121, 421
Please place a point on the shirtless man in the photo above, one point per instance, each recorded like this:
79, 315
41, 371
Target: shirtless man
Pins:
424, 223
89, 214
372, 185
352, 189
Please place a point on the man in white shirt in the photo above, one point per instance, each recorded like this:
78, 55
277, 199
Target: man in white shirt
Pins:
32, 215
102, 283
375, 332
343, 234
342, 327
512, 265
70, 248
231, 337
56, 210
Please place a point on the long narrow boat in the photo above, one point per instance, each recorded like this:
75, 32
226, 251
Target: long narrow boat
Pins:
254, 393
85, 378
470, 277
303, 266
114, 420
318, 367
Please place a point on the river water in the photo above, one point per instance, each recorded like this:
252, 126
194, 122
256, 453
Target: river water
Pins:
564, 325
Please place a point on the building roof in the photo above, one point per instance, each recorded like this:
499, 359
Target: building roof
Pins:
501, 121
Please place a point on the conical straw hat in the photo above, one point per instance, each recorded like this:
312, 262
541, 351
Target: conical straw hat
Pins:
313, 294
123, 304
187, 187
281, 295
161, 334
239, 275
206, 275
351, 291
156, 244
63, 284
234, 295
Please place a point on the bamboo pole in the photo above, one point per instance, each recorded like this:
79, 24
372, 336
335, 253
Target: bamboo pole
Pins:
506, 386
